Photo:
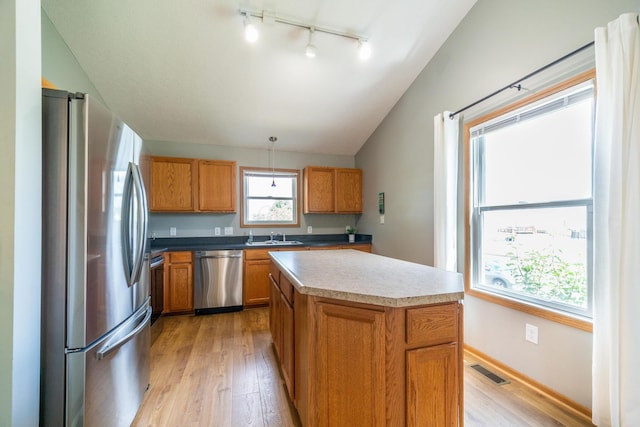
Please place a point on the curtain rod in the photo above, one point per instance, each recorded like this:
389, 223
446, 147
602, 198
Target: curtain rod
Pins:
517, 85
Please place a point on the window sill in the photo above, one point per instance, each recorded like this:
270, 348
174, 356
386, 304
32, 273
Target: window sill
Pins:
554, 316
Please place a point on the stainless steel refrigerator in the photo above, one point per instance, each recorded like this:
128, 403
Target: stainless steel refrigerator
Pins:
95, 290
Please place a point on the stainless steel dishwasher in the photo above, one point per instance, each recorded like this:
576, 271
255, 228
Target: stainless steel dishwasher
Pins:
217, 281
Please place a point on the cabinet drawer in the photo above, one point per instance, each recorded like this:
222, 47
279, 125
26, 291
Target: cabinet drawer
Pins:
287, 288
257, 253
275, 273
432, 325
174, 257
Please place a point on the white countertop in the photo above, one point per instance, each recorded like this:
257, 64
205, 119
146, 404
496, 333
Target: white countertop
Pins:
367, 278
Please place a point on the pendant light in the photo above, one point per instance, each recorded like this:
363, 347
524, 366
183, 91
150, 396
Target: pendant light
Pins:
273, 140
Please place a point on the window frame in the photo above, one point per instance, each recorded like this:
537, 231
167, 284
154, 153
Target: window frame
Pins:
244, 223
471, 229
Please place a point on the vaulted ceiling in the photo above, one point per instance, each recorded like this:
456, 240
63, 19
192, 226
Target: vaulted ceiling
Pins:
182, 71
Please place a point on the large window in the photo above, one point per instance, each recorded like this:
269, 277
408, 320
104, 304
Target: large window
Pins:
530, 203
269, 197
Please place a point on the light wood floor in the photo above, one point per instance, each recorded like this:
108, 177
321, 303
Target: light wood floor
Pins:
220, 370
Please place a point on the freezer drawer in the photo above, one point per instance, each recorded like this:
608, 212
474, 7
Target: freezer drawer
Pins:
106, 383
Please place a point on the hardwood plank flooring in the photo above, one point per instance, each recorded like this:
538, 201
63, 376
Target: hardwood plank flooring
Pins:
220, 370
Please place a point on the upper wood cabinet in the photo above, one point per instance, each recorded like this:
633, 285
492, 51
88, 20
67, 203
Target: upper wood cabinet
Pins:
217, 186
172, 184
349, 190
191, 185
332, 190
319, 190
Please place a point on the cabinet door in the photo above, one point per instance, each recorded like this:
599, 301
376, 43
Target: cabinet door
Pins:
348, 190
275, 322
319, 190
256, 282
350, 366
180, 288
216, 186
432, 386
287, 355
172, 184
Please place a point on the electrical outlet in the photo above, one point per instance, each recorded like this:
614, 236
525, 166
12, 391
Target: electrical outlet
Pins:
172, 231
531, 333
216, 231
309, 229
228, 231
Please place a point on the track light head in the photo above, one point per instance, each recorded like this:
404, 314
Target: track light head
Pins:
364, 50
250, 30
311, 50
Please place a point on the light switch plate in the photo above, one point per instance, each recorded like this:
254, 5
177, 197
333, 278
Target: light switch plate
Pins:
381, 219
228, 231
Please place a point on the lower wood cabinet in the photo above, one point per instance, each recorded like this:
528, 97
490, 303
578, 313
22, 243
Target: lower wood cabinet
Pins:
432, 386
287, 349
350, 366
256, 281
353, 364
178, 291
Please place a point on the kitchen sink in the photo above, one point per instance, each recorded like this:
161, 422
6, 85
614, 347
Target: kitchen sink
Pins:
275, 243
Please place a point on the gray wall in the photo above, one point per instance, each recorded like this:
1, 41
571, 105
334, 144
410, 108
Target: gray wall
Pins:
202, 224
59, 66
20, 212
498, 42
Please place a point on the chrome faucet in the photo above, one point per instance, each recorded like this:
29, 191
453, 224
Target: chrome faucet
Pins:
276, 235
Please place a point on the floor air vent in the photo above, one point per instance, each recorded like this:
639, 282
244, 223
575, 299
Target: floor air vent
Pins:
487, 373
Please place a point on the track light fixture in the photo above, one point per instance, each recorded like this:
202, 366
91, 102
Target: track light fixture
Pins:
310, 50
364, 50
251, 32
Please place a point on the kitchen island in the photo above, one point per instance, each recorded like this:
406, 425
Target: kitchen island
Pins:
366, 340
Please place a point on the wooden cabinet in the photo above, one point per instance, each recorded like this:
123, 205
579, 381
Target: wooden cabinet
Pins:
256, 280
173, 184
349, 190
350, 366
432, 386
178, 291
287, 349
281, 324
191, 185
275, 321
216, 186
319, 190
332, 190
347, 363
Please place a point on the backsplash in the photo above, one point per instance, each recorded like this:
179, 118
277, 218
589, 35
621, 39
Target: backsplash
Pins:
204, 225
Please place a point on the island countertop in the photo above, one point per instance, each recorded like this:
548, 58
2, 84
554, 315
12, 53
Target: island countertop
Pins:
356, 276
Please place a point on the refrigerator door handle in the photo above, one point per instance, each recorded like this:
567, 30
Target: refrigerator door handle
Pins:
141, 223
110, 346
127, 199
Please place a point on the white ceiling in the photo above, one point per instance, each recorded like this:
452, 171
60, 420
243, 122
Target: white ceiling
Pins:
182, 71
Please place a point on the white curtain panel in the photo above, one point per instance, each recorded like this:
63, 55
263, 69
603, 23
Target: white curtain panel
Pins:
445, 191
616, 324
